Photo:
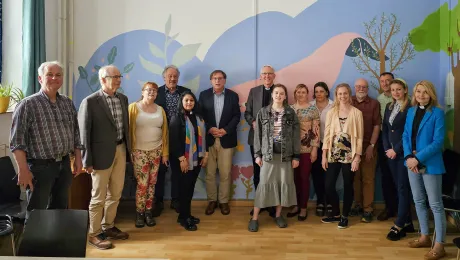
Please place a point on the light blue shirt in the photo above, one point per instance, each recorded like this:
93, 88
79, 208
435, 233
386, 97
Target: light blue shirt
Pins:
218, 106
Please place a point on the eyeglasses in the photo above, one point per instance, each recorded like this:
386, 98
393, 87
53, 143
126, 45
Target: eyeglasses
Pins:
114, 77
360, 87
267, 73
150, 90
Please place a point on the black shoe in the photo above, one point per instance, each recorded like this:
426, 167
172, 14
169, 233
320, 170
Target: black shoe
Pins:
356, 211
320, 210
302, 218
395, 234
149, 220
188, 224
385, 215
328, 220
367, 217
409, 228
158, 208
343, 223
175, 205
195, 220
140, 220
329, 211
293, 214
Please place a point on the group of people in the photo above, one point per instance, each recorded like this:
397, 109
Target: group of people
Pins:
169, 129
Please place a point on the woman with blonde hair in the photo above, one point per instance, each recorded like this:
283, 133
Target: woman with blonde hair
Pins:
148, 131
308, 116
423, 140
342, 149
393, 123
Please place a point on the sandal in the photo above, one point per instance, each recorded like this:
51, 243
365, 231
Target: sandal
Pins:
281, 222
253, 225
433, 255
418, 244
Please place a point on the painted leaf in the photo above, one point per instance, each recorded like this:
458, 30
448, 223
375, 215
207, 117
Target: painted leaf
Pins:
150, 66
128, 67
193, 84
94, 79
155, 50
83, 73
362, 45
185, 53
97, 67
112, 54
168, 26
170, 39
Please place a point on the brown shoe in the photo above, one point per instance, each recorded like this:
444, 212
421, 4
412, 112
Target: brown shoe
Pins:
433, 255
100, 242
211, 207
115, 233
224, 208
418, 244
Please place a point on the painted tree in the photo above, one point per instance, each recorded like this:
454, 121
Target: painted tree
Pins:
440, 31
388, 52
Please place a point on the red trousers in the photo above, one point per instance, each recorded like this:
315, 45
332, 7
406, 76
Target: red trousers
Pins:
302, 180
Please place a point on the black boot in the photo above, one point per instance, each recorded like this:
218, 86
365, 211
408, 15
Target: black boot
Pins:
149, 220
140, 220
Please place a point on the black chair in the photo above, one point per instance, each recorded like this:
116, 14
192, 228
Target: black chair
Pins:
7, 229
55, 233
10, 203
457, 244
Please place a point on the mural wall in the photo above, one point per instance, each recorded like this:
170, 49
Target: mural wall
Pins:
306, 42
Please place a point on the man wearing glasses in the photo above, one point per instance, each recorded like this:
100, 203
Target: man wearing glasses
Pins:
259, 97
44, 132
103, 118
221, 112
365, 176
168, 98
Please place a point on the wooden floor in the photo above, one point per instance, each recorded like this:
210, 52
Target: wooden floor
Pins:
226, 237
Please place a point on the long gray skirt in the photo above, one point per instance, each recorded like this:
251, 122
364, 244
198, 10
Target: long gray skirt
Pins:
276, 186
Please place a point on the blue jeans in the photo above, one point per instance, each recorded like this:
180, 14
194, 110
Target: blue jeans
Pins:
430, 185
401, 182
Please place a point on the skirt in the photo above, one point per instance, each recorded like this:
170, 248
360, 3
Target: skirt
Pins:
276, 186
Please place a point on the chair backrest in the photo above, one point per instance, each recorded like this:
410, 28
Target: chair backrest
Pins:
9, 190
55, 233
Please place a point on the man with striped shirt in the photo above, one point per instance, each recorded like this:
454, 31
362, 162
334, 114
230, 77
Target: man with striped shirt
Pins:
44, 132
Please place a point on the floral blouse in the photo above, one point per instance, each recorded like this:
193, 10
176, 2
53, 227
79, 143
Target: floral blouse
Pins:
309, 127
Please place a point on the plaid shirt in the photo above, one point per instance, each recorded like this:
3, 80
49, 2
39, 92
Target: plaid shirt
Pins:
45, 130
117, 113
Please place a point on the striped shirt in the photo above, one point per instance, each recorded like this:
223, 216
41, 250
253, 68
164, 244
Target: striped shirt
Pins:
43, 129
219, 106
277, 124
117, 113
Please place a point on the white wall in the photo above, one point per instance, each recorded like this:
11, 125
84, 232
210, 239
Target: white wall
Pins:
12, 43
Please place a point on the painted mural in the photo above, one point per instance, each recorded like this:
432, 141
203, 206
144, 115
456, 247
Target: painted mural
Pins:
327, 41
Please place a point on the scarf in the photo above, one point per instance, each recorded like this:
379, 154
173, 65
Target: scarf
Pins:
194, 148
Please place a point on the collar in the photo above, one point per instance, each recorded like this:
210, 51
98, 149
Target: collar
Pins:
107, 95
270, 88
223, 92
367, 99
175, 91
329, 102
41, 92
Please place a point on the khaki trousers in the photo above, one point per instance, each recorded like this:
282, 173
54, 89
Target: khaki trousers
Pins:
106, 193
219, 158
364, 183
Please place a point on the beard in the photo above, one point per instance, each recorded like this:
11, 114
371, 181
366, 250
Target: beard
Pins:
361, 95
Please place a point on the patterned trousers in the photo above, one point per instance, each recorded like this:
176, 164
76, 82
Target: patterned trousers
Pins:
146, 164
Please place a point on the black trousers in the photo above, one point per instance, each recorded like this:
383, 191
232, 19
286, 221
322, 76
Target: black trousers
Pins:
256, 168
388, 184
332, 174
187, 187
319, 176
161, 180
51, 182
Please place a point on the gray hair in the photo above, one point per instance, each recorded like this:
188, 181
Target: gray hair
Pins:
171, 67
103, 71
267, 66
41, 69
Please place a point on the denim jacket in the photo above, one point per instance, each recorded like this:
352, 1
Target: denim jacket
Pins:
290, 135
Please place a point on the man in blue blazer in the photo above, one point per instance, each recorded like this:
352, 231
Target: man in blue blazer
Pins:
221, 112
168, 97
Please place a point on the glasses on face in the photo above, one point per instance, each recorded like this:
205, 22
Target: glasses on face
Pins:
54, 75
218, 78
267, 73
114, 77
360, 87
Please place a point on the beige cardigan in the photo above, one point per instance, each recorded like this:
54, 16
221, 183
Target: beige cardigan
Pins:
133, 111
354, 126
